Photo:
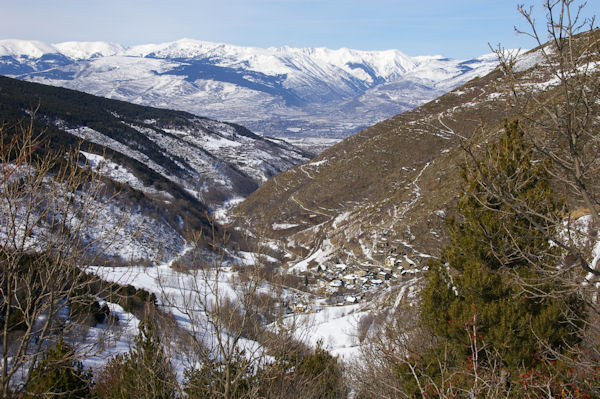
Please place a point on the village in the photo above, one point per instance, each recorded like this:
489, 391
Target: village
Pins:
343, 284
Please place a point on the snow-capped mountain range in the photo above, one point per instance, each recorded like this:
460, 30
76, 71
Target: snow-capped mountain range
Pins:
284, 91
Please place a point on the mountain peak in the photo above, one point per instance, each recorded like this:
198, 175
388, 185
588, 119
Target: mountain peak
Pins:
283, 91
182, 48
87, 50
25, 48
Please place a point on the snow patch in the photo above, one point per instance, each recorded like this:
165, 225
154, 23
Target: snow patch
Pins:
334, 326
283, 226
119, 173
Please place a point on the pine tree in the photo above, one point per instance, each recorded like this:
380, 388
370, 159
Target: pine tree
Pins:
210, 380
306, 374
59, 375
491, 283
144, 372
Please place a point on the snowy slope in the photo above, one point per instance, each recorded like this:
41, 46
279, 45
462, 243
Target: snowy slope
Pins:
283, 91
169, 168
213, 161
25, 48
87, 50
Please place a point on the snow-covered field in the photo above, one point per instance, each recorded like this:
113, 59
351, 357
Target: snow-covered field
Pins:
186, 296
106, 340
334, 326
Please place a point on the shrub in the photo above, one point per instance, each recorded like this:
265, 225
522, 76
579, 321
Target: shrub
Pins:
87, 310
57, 374
144, 372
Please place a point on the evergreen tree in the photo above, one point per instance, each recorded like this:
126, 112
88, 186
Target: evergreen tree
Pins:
491, 283
308, 374
212, 379
58, 375
144, 372
323, 372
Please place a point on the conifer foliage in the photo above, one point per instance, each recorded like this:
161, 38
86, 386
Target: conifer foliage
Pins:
235, 379
144, 372
490, 298
59, 375
313, 374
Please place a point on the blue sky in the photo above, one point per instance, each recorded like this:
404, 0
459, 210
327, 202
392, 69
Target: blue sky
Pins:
454, 28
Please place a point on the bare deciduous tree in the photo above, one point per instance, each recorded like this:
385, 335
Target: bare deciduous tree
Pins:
561, 122
47, 206
557, 104
235, 333
224, 318
560, 119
